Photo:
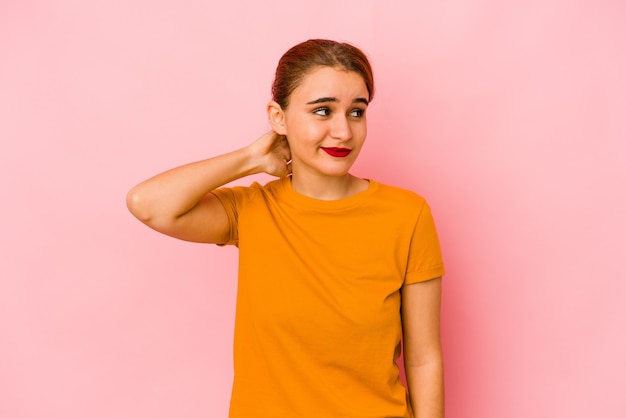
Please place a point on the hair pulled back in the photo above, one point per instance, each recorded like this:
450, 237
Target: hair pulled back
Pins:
301, 59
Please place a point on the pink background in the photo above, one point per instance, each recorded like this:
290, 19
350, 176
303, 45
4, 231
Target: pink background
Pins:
509, 117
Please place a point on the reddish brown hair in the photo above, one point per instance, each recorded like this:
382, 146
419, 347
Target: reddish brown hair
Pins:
298, 61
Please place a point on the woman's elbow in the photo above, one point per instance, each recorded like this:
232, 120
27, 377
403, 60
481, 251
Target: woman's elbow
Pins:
138, 206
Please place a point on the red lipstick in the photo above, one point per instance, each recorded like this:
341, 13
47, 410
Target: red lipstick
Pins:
337, 152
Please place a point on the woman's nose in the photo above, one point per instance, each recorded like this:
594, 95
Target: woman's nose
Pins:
340, 128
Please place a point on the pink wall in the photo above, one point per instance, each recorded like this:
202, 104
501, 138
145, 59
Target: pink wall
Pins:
509, 118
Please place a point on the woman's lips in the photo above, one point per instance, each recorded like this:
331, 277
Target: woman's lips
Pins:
337, 152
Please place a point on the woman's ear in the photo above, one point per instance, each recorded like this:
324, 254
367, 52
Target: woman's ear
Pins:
276, 116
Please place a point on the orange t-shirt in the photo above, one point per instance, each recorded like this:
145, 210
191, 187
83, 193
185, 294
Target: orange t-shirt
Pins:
318, 325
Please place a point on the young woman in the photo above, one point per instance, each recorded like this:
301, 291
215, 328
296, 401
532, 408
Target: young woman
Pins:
333, 268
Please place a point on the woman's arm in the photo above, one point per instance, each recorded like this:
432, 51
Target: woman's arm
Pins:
178, 202
423, 360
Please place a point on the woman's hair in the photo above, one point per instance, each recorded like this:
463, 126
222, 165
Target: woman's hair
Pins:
301, 59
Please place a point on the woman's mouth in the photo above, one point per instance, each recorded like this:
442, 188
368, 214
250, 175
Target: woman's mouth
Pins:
337, 152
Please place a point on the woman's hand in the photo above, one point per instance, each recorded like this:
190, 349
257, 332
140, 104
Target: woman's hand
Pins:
271, 153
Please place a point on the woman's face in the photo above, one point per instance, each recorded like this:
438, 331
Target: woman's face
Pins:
325, 122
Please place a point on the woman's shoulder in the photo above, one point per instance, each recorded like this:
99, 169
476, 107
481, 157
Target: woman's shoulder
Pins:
397, 194
241, 194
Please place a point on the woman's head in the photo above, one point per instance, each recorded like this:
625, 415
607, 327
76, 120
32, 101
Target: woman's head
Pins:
301, 59
321, 93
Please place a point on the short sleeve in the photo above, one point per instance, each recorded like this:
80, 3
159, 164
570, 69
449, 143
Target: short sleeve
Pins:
425, 261
234, 199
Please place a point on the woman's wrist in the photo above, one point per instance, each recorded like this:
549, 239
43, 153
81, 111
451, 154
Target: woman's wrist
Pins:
265, 156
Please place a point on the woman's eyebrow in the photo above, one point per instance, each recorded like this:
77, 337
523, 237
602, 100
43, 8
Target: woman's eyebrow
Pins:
334, 99
323, 100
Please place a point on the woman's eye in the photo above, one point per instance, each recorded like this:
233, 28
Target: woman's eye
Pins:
322, 111
357, 113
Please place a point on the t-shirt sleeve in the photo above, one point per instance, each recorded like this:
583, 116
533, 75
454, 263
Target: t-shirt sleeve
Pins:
425, 261
232, 199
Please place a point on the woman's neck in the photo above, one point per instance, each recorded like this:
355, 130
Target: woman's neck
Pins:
327, 187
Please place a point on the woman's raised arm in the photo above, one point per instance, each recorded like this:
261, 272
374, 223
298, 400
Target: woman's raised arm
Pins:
178, 202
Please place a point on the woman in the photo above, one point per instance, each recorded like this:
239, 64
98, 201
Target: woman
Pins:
333, 268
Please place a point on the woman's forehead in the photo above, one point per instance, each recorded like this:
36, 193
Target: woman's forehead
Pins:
331, 82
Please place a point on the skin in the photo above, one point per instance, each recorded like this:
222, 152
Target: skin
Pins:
328, 109
423, 359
